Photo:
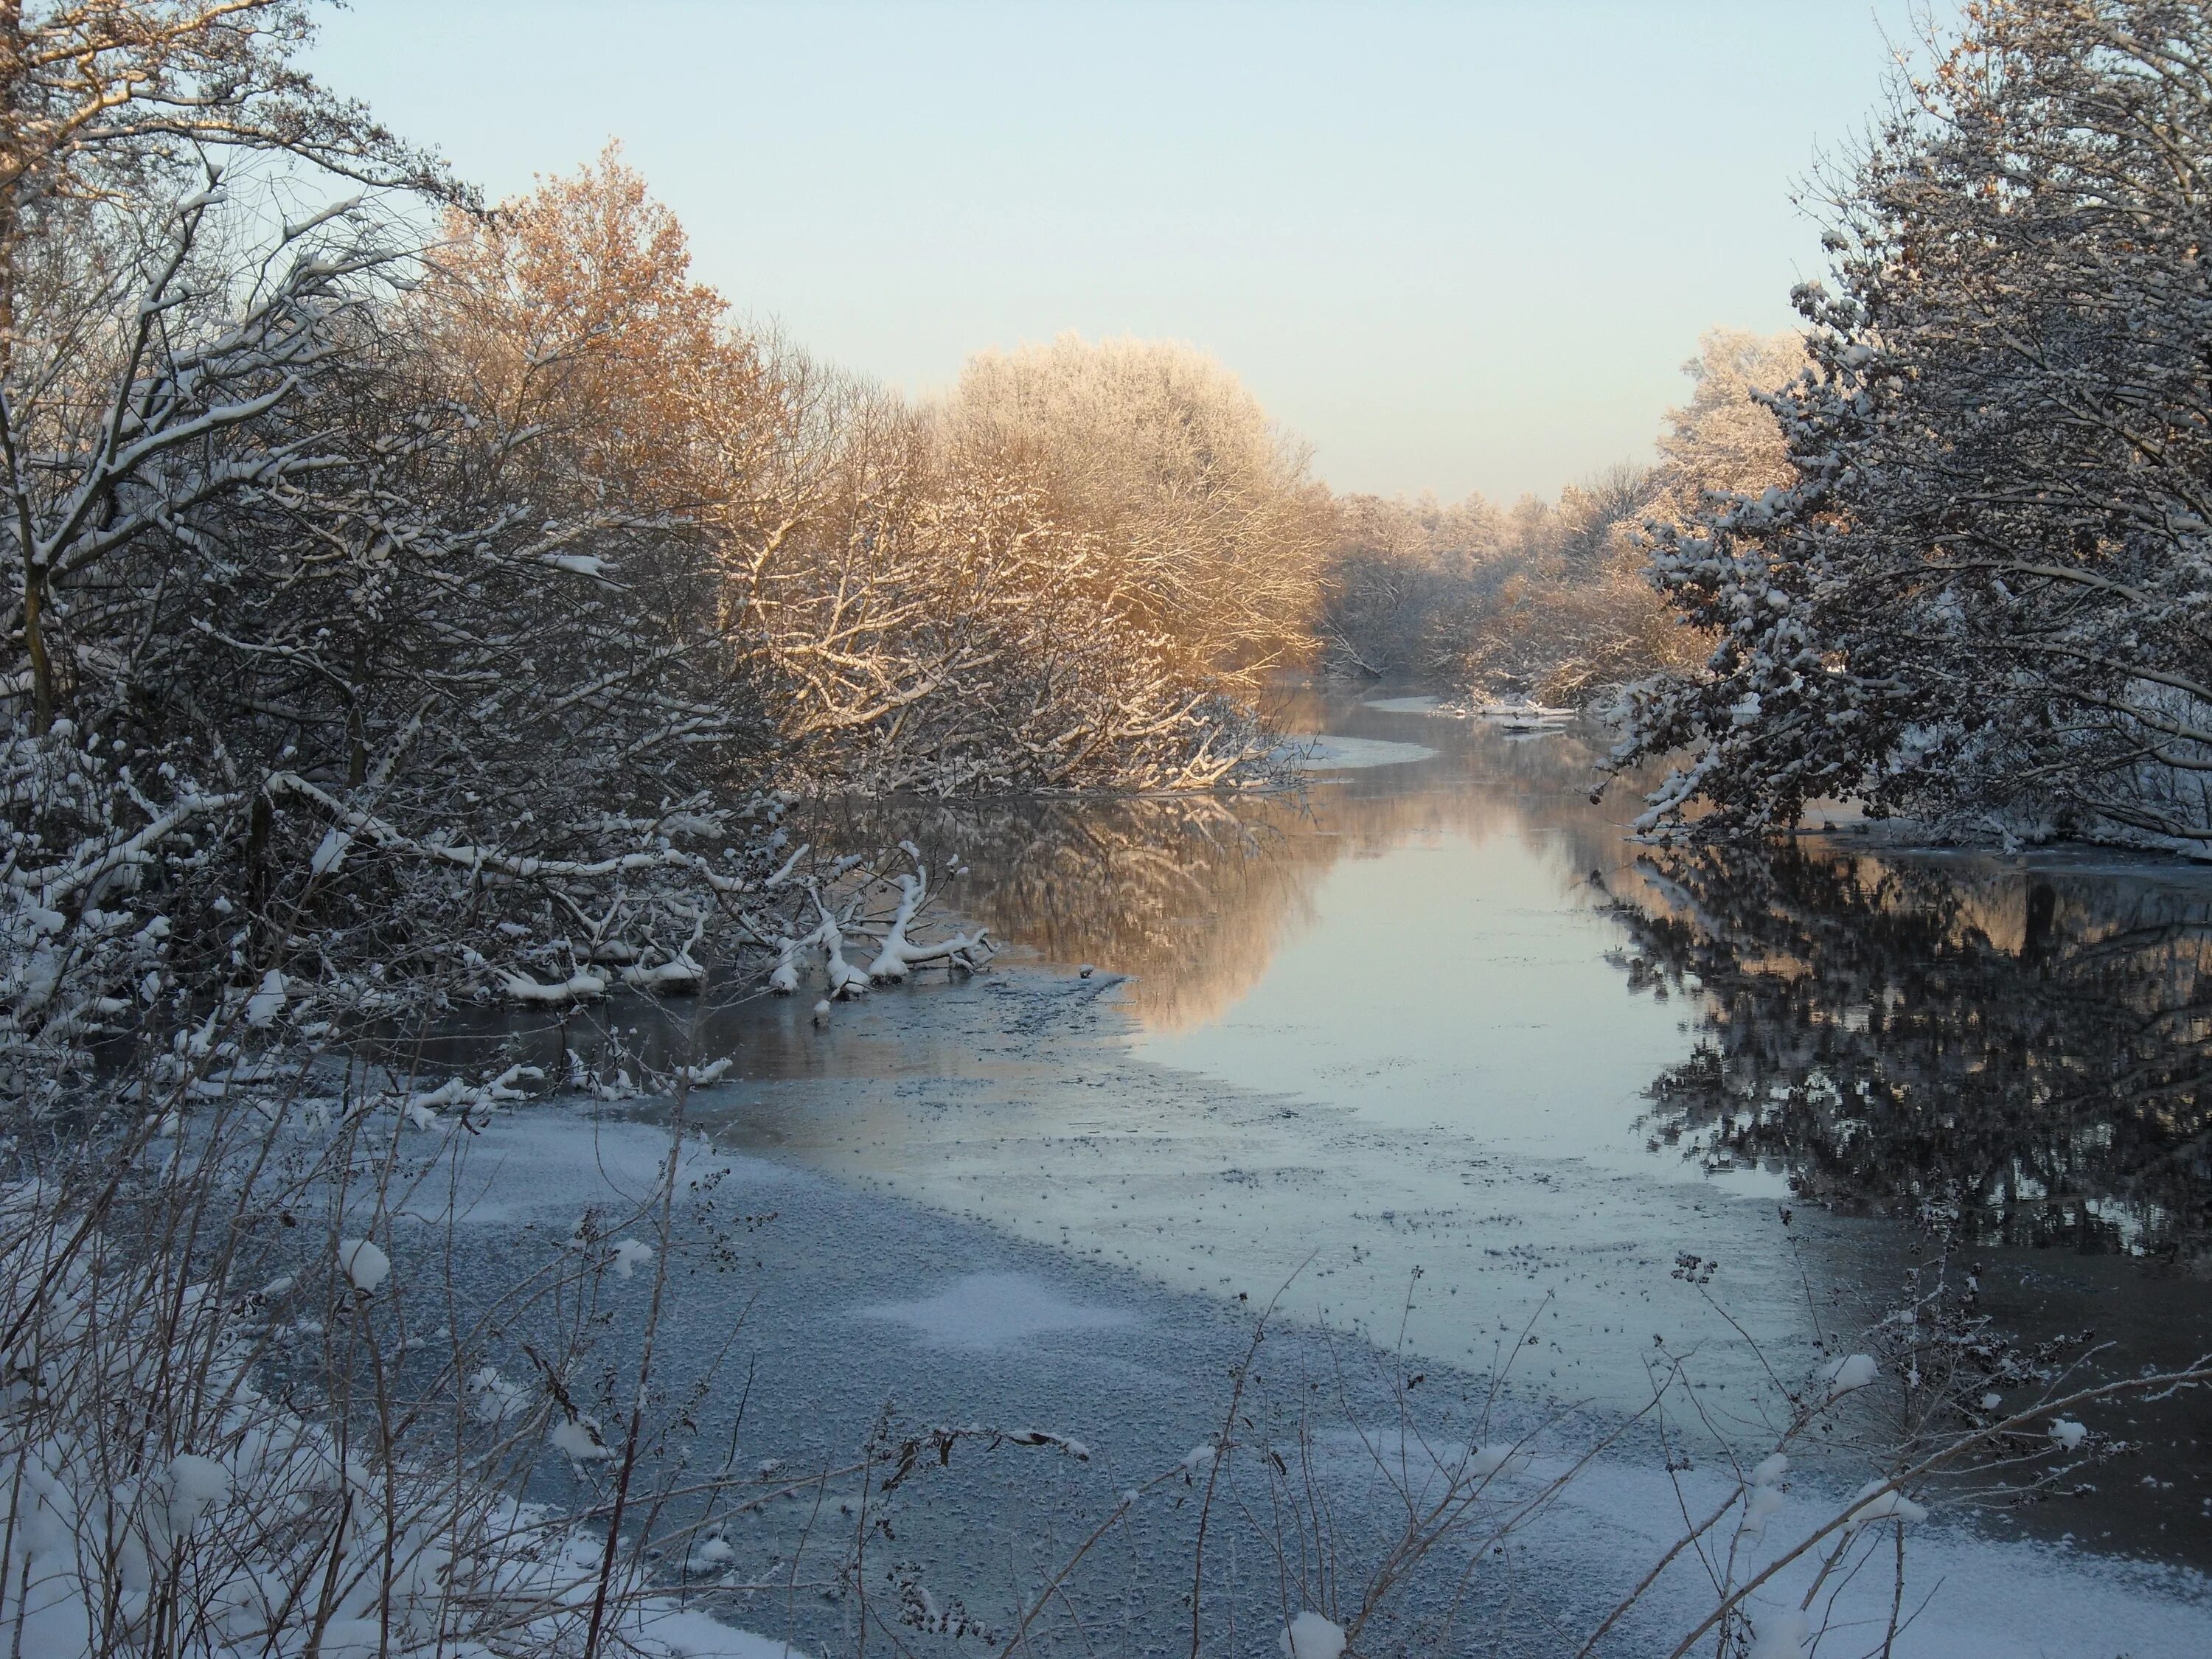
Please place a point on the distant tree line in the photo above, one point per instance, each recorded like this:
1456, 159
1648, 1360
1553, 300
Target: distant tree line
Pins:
1552, 601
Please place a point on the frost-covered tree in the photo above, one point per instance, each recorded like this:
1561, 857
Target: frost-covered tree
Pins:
1726, 439
368, 671
928, 602
1201, 506
1980, 597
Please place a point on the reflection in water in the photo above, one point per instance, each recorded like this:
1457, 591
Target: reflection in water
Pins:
1884, 1029
1195, 898
1895, 1030
1887, 1030
1378, 1044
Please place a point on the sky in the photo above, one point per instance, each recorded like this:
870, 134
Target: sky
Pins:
1454, 246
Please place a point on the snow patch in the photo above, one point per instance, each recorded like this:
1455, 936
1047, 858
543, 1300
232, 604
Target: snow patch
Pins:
197, 1484
1882, 1505
1779, 1633
1851, 1373
265, 1003
577, 1438
366, 1268
1310, 1636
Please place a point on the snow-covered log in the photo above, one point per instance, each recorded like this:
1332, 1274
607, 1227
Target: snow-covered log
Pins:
900, 953
858, 915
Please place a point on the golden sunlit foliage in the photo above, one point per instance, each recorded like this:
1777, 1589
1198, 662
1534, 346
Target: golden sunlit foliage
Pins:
1071, 574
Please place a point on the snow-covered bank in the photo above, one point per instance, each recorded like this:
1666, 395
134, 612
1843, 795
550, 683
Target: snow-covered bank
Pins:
195, 1469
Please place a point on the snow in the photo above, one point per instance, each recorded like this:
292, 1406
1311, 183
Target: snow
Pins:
1764, 1501
493, 1399
2068, 1433
994, 1310
629, 1256
214, 1519
583, 985
1310, 1636
1851, 1373
364, 1266
578, 1439
197, 1484
1883, 1502
1760, 1506
1505, 1461
265, 1003
669, 1632
1779, 1633
899, 955
330, 852
580, 564
1995, 1598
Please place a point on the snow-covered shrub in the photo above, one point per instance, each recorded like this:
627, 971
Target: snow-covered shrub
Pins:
231, 1425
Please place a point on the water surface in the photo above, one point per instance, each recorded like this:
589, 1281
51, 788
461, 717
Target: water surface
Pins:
1432, 1050
1434, 1053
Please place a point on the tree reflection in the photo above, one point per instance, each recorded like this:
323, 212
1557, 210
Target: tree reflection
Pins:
1194, 896
1894, 1030
1190, 895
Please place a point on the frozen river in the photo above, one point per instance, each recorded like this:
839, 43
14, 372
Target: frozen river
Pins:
1434, 1059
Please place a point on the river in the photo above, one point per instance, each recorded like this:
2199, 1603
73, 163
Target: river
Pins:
1433, 1057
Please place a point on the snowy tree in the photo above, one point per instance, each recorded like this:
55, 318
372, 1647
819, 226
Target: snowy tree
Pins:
370, 680
1979, 598
1202, 506
102, 94
1725, 439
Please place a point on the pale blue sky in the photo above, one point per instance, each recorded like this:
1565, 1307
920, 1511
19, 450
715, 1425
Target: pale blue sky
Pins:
1456, 247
